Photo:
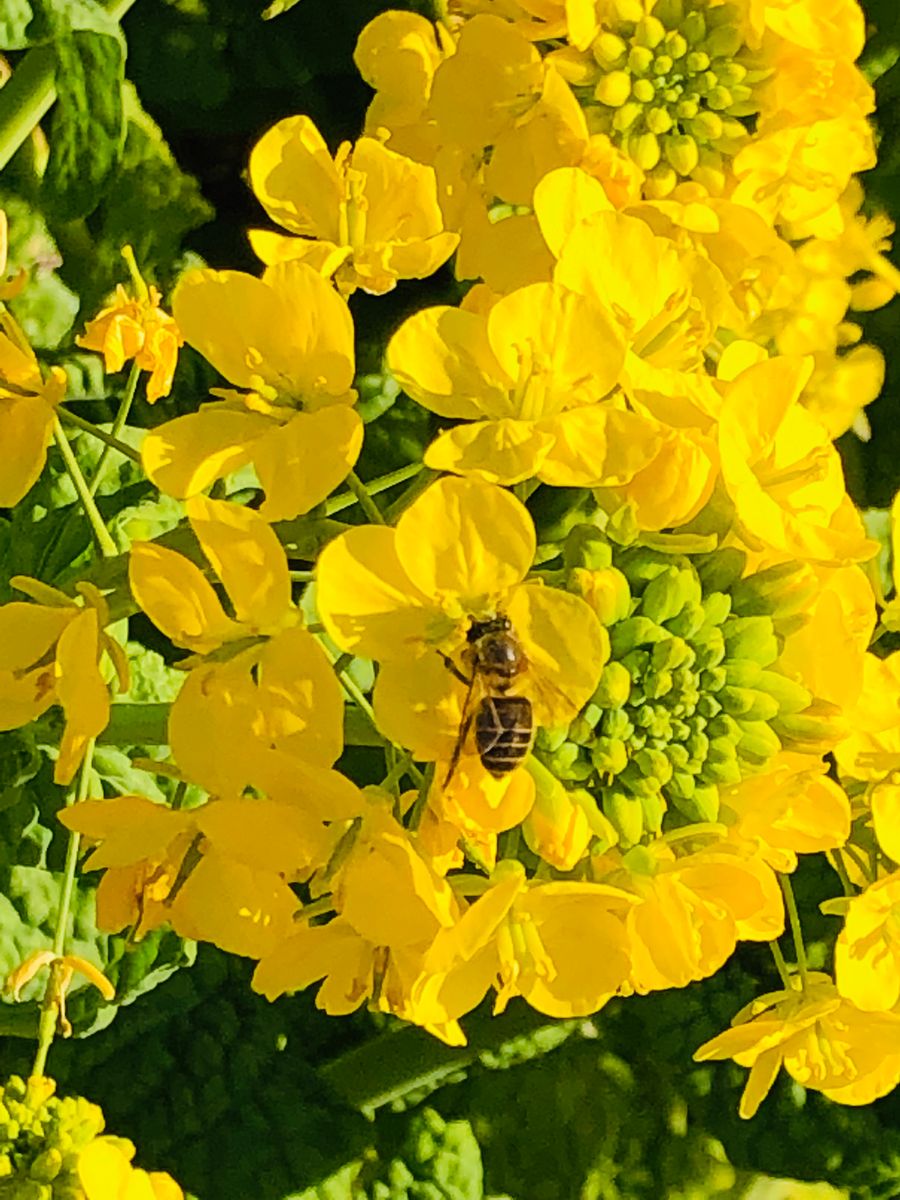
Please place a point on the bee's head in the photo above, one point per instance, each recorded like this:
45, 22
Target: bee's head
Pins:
481, 629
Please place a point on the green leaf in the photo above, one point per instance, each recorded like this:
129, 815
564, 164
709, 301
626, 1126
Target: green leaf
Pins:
87, 128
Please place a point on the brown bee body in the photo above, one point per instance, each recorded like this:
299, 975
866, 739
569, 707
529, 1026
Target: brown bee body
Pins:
503, 723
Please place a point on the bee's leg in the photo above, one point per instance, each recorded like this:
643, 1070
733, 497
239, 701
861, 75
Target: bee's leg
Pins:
464, 728
454, 670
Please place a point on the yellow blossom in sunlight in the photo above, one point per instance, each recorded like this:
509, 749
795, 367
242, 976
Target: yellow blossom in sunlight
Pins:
50, 653
791, 808
28, 402
217, 873
527, 939
390, 904
248, 559
822, 1041
367, 217
694, 909
135, 327
105, 1172
867, 954
285, 340
781, 471
529, 375
409, 597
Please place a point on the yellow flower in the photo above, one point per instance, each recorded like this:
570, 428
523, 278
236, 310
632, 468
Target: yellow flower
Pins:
287, 340
791, 808
408, 597
136, 327
781, 471
529, 375
51, 654
822, 1041
105, 1172
248, 559
367, 217
390, 905
27, 411
867, 954
693, 909
528, 939
216, 873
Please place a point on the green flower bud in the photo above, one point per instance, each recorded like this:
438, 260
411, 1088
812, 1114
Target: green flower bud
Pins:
676, 754
711, 650
748, 703
660, 182
681, 786
716, 606
645, 150
810, 730
653, 764
654, 808
676, 45
698, 747
706, 126
757, 743
586, 546
693, 27
743, 104
752, 637
724, 42
613, 89
714, 679
703, 805
662, 65
682, 152
649, 31
635, 782
657, 684
609, 755
633, 632
614, 686
666, 595
46, 1166
671, 653
658, 120
731, 72
686, 107
723, 726
741, 672
625, 814
688, 622
697, 61
609, 51
680, 730
641, 565
550, 740
625, 117
616, 724
719, 99
786, 588
720, 570
640, 60
670, 12
643, 91
791, 697
605, 590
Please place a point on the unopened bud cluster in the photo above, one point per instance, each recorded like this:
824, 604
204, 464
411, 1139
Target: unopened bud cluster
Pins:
671, 89
41, 1137
692, 697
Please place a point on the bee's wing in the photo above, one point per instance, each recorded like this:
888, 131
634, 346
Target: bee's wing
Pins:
552, 706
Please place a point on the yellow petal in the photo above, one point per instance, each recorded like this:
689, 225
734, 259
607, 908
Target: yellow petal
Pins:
443, 359
264, 834
178, 599
81, 690
505, 451
465, 538
418, 704
566, 647
295, 179
885, 801
366, 599
302, 462
27, 631
131, 829
598, 446
184, 456
247, 557
562, 199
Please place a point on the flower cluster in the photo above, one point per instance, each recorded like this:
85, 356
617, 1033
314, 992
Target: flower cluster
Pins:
608, 732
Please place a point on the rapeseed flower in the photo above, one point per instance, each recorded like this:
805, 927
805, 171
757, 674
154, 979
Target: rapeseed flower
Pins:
50, 653
822, 1041
28, 403
365, 218
136, 327
285, 340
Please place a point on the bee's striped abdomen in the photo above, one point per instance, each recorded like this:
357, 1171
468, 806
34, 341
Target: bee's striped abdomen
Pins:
504, 728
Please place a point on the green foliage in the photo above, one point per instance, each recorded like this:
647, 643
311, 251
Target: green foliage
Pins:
432, 1159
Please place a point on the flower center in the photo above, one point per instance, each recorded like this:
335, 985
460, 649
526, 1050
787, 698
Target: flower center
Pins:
674, 90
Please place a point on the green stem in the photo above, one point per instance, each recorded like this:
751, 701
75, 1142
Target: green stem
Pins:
101, 435
117, 426
49, 1011
837, 861
796, 931
421, 800
302, 576
101, 533
367, 504
373, 487
28, 95
780, 964
392, 1065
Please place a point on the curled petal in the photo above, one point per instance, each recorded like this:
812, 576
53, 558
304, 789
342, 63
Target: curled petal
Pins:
303, 461
178, 599
505, 451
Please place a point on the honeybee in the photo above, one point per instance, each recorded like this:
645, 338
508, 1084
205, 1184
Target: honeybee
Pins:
503, 723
